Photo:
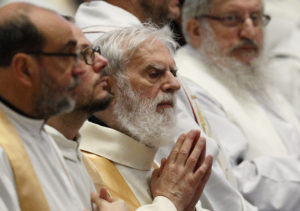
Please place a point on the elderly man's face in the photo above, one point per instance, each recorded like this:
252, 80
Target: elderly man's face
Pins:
243, 41
144, 98
152, 71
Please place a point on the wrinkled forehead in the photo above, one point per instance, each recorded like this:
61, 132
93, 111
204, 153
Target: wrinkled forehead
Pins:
236, 5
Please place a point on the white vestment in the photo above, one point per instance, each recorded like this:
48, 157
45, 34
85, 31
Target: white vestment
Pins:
260, 143
284, 64
281, 47
81, 179
98, 17
73, 159
47, 163
133, 159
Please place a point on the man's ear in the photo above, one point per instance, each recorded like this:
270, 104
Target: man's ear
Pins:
193, 28
23, 66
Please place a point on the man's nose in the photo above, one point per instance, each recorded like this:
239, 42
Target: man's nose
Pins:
249, 30
171, 84
100, 63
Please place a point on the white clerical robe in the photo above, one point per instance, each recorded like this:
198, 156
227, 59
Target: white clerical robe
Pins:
82, 181
47, 163
98, 17
133, 160
73, 159
284, 64
261, 144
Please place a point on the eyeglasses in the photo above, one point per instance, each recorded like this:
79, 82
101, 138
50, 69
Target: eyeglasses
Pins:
88, 54
234, 20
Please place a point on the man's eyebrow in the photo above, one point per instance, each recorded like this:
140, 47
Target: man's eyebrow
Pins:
156, 66
70, 44
161, 67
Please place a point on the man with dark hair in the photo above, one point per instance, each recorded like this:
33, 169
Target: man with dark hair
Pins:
20, 35
37, 77
90, 96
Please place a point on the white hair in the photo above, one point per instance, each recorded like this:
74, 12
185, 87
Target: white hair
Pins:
239, 77
136, 116
118, 46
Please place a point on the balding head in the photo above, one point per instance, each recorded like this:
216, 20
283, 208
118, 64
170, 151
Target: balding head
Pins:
17, 32
25, 27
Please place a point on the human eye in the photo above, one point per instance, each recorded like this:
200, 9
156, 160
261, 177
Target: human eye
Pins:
174, 72
231, 19
256, 18
154, 73
87, 55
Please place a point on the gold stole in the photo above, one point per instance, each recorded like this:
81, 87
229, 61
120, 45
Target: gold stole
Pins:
113, 180
93, 172
30, 193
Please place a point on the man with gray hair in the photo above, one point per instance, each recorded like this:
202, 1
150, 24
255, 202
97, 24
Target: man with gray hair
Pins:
253, 125
140, 119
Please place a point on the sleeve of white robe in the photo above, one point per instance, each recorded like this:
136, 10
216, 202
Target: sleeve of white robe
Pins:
8, 195
270, 183
160, 203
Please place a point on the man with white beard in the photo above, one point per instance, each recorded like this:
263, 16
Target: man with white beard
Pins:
140, 119
92, 96
252, 124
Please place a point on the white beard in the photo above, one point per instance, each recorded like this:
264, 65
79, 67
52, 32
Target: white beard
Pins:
240, 78
137, 117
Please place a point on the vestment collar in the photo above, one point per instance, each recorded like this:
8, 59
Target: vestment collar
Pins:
69, 148
20, 119
116, 146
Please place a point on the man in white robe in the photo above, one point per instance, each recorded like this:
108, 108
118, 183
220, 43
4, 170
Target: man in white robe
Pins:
253, 125
143, 83
91, 96
91, 63
37, 76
